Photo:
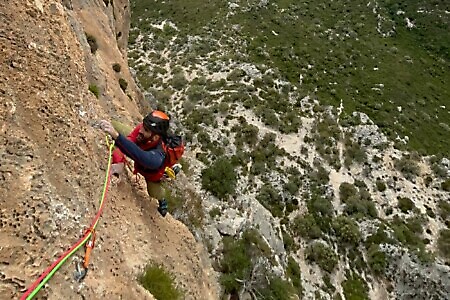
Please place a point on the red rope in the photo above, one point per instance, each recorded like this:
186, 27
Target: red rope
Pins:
88, 231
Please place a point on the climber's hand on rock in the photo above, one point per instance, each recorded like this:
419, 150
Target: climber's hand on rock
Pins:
107, 127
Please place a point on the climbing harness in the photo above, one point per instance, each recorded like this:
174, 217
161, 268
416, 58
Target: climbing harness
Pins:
89, 234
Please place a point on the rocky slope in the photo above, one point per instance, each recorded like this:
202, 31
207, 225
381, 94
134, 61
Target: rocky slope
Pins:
327, 187
53, 160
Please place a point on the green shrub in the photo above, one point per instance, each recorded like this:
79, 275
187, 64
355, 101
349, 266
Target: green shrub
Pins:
269, 197
405, 204
380, 237
178, 81
196, 93
214, 212
294, 273
123, 84
220, 178
94, 90
278, 289
360, 208
163, 95
409, 233
288, 241
92, 41
236, 262
444, 209
445, 185
408, 167
354, 153
347, 190
322, 255
346, 231
160, 283
381, 186
377, 260
319, 205
443, 243
306, 227
355, 288
116, 67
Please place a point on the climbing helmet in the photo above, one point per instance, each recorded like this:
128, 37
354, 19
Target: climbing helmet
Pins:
157, 122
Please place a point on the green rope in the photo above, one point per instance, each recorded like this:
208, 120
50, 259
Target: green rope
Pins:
105, 186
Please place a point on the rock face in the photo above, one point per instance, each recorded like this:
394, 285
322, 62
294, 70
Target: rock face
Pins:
413, 280
53, 160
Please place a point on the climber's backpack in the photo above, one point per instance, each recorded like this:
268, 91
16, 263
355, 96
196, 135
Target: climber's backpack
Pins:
174, 149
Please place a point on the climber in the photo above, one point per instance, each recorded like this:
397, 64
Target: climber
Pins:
144, 146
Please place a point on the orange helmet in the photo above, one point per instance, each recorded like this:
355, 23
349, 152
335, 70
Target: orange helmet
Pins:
157, 122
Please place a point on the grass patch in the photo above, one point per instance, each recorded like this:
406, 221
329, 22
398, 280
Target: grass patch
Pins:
160, 283
94, 90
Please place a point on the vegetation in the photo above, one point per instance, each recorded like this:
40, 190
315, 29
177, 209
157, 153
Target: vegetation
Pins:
355, 288
371, 43
294, 273
346, 231
123, 84
405, 204
409, 168
94, 90
444, 209
265, 63
271, 199
241, 261
92, 41
160, 283
116, 67
322, 255
219, 178
444, 243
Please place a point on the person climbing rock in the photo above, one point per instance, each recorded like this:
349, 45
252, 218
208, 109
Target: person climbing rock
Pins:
144, 146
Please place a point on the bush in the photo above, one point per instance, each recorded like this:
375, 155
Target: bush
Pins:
354, 153
116, 67
295, 275
347, 190
236, 262
405, 204
278, 289
306, 227
360, 208
444, 209
220, 178
408, 167
355, 288
160, 283
123, 84
347, 231
322, 255
92, 41
196, 93
94, 90
376, 260
269, 197
446, 185
381, 186
178, 81
443, 243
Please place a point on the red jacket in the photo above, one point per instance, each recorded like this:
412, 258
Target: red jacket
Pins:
119, 157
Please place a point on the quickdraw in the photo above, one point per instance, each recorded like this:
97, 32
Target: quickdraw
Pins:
50, 271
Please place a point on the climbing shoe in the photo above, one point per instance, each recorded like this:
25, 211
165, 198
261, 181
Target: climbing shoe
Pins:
162, 207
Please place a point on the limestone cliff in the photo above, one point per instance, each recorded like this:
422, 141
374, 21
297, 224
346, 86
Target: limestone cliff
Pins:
52, 160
